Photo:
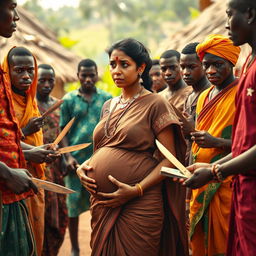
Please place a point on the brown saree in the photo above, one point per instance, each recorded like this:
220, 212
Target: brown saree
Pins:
153, 224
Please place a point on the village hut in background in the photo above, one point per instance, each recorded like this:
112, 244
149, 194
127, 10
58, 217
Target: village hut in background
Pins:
203, 4
43, 43
211, 21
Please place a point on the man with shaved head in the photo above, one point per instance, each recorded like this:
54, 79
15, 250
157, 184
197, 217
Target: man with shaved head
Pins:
194, 75
155, 73
56, 218
177, 91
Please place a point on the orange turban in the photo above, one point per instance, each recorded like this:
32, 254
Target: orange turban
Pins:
220, 46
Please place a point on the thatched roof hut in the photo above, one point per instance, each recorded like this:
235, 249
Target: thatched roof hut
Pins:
203, 4
32, 34
211, 21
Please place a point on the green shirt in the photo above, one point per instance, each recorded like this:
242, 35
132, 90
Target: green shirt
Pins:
87, 116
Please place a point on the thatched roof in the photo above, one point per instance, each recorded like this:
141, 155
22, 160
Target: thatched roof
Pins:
211, 21
32, 34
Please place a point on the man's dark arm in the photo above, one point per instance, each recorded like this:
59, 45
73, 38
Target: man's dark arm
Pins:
240, 164
17, 180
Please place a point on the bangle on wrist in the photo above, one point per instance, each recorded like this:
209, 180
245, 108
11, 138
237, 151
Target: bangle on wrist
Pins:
140, 189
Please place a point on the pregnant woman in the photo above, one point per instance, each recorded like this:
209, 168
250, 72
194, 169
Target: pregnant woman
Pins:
135, 210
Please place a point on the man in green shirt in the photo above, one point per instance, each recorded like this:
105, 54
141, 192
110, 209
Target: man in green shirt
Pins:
85, 105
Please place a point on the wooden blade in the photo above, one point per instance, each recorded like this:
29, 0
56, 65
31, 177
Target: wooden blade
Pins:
52, 108
173, 159
50, 186
172, 173
73, 148
63, 132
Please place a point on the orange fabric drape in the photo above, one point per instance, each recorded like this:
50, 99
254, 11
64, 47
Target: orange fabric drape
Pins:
10, 149
25, 110
210, 205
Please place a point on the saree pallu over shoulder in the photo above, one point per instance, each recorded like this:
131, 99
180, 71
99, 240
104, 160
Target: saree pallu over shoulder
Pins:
210, 205
155, 112
153, 224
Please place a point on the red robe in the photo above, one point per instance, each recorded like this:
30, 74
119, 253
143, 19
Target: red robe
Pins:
242, 233
10, 149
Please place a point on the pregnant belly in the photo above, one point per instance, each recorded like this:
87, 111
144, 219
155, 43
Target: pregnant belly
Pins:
126, 166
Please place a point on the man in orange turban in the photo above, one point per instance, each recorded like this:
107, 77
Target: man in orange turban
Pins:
219, 45
210, 205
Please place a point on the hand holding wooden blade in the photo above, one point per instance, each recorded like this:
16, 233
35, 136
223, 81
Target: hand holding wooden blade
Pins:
73, 148
173, 159
63, 133
52, 108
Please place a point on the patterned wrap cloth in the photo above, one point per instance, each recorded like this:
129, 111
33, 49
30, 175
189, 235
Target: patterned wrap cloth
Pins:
14, 214
25, 109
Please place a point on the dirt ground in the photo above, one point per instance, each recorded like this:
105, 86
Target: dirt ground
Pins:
84, 237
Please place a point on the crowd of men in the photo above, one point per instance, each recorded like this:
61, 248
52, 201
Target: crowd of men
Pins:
216, 110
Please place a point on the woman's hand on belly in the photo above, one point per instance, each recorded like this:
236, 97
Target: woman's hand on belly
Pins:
123, 194
88, 183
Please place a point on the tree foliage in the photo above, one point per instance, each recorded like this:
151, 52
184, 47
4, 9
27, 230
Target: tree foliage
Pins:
122, 18
91, 28
142, 19
66, 18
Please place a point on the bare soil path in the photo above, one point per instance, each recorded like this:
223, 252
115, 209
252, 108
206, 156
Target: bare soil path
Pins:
84, 237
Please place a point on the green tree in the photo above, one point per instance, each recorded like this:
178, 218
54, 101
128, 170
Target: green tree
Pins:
142, 19
65, 18
106, 11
